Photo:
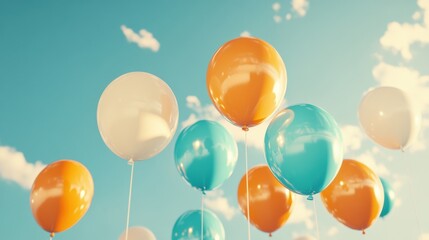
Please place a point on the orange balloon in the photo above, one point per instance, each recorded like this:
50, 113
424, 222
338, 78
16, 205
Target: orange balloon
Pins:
270, 202
61, 195
246, 80
355, 197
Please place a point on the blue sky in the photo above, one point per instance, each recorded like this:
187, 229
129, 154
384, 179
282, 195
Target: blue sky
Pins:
56, 58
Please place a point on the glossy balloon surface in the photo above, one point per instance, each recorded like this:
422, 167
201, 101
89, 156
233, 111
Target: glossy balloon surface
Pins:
246, 80
270, 202
61, 195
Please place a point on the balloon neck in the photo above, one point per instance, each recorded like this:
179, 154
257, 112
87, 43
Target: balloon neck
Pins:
52, 235
402, 149
245, 128
131, 162
363, 232
203, 192
310, 197
270, 235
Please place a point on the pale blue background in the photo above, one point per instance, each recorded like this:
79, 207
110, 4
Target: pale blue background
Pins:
56, 57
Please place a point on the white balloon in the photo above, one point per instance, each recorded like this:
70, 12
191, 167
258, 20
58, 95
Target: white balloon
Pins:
137, 115
138, 233
389, 117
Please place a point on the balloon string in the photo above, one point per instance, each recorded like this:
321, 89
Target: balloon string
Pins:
131, 162
412, 194
202, 216
247, 184
315, 218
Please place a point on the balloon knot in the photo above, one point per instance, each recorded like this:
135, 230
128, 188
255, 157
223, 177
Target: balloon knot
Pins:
52, 235
245, 128
203, 192
310, 198
130, 162
363, 232
270, 235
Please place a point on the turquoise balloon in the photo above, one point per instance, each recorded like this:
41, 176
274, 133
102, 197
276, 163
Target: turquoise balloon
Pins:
188, 226
205, 154
389, 198
304, 148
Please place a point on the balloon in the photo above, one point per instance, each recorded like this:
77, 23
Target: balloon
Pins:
137, 116
246, 80
389, 118
304, 148
389, 198
355, 197
61, 195
205, 154
138, 233
188, 226
270, 202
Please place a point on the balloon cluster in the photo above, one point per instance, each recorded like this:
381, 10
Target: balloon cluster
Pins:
137, 117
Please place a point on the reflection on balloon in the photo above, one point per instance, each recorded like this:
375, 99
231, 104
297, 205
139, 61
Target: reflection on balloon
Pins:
246, 80
61, 195
137, 115
355, 197
188, 226
389, 198
389, 117
205, 154
304, 148
138, 233
270, 202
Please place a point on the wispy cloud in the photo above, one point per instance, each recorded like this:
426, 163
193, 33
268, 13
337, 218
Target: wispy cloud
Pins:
424, 236
352, 137
216, 201
302, 237
333, 231
400, 37
300, 7
245, 34
14, 167
143, 39
301, 213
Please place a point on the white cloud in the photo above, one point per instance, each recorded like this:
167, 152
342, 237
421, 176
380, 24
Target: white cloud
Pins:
303, 237
374, 160
208, 112
352, 138
417, 16
333, 231
276, 6
144, 39
288, 17
399, 37
245, 34
424, 236
14, 167
277, 18
301, 213
300, 7
216, 201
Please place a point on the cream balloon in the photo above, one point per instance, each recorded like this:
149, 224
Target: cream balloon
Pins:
137, 115
138, 233
389, 117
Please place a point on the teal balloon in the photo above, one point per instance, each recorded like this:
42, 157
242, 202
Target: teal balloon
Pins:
205, 154
304, 148
188, 226
389, 198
